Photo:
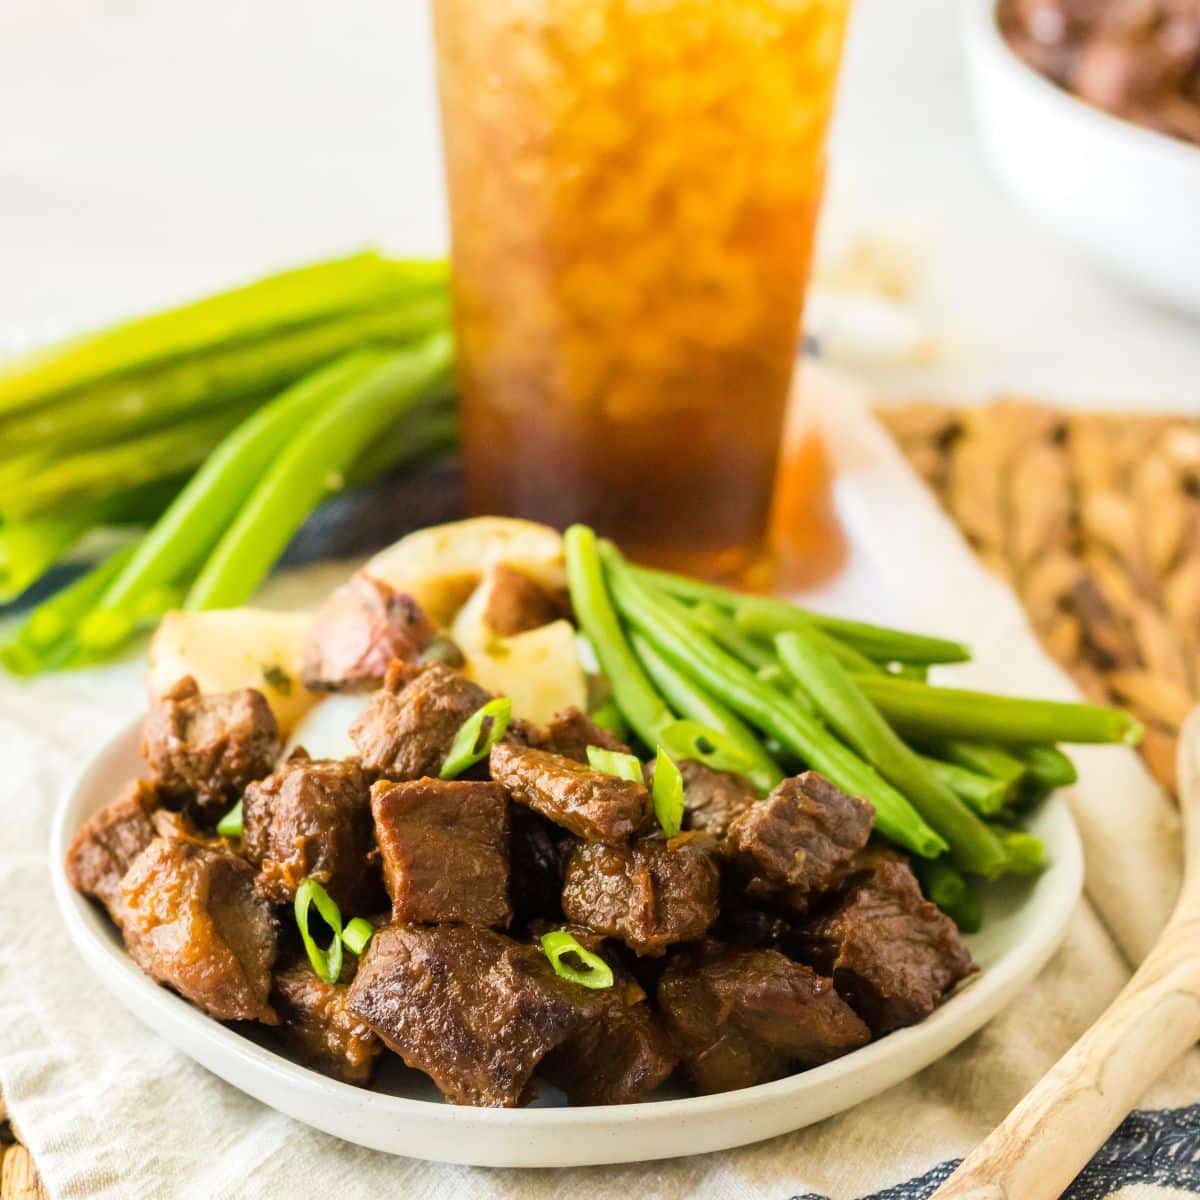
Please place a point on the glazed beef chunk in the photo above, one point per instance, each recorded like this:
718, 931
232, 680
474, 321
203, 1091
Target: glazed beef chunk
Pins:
713, 798
801, 836
537, 856
315, 1023
102, 851
515, 603
192, 920
358, 631
572, 731
408, 726
741, 1017
471, 1008
649, 894
445, 850
892, 954
590, 804
312, 817
206, 749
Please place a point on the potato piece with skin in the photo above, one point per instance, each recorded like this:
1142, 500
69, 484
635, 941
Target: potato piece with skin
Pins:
441, 566
504, 604
539, 671
232, 648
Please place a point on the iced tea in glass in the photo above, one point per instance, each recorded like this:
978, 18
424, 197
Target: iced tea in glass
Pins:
633, 190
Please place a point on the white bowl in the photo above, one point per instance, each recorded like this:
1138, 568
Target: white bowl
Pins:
1126, 196
1025, 922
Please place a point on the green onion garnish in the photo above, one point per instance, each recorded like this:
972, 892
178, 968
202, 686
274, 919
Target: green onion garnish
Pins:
473, 742
615, 762
694, 740
668, 794
326, 963
357, 934
608, 716
230, 825
596, 973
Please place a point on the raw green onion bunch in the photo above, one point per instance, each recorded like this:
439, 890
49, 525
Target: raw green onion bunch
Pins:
213, 429
760, 686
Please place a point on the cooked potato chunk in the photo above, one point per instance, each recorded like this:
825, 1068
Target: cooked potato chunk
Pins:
539, 670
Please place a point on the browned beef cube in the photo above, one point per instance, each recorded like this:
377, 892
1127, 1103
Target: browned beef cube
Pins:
713, 799
409, 725
312, 818
802, 835
572, 731
102, 851
592, 805
445, 850
892, 954
192, 920
538, 850
650, 894
473, 1009
741, 1017
515, 603
315, 1023
358, 631
206, 749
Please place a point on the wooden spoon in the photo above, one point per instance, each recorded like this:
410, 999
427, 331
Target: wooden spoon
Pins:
1050, 1136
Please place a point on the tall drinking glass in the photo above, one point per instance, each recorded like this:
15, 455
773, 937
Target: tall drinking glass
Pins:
633, 190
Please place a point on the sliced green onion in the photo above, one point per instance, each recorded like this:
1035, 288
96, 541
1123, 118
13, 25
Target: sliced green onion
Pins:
695, 740
230, 825
357, 934
668, 794
326, 963
615, 762
473, 741
608, 716
559, 943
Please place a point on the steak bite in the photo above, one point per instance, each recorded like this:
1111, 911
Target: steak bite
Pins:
537, 853
893, 955
713, 799
312, 818
445, 850
649, 894
741, 1017
358, 631
206, 749
592, 805
801, 836
191, 919
572, 731
409, 725
102, 851
316, 1024
473, 1009
515, 603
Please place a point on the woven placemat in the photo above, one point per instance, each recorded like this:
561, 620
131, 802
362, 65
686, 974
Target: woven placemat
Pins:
1094, 519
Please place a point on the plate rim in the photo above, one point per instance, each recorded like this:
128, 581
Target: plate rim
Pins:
225, 1052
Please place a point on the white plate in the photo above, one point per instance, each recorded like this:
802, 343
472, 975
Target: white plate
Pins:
1127, 196
1025, 923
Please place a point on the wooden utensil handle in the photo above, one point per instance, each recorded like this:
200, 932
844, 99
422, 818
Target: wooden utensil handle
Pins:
1049, 1137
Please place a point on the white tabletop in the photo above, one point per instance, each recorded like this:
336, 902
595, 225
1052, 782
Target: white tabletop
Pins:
151, 149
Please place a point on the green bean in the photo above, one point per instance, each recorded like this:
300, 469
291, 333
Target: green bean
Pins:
918, 710
1026, 853
30, 548
981, 758
634, 694
729, 635
973, 847
186, 533
123, 407
693, 702
313, 464
767, 616
277, 302
95, 475
980, 793
1048, 767
667, 625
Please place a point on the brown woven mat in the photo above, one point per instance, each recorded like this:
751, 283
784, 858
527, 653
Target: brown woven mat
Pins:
18, 1176
1095, 520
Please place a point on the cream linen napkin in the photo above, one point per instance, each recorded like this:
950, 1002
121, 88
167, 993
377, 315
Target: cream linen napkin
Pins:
110, 1112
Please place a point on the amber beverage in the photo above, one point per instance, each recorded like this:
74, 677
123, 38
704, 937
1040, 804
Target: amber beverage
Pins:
633, 190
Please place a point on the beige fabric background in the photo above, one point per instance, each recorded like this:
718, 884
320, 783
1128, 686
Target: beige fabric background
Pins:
111, 1113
